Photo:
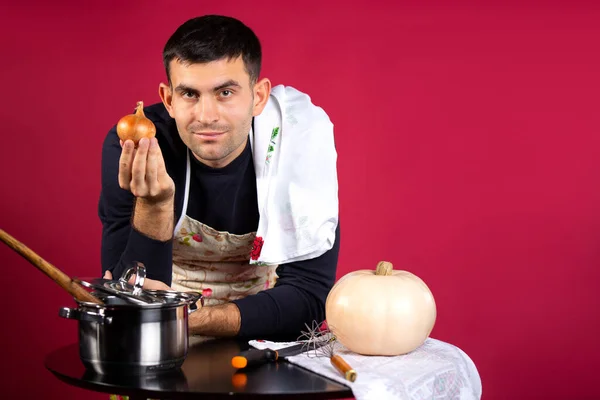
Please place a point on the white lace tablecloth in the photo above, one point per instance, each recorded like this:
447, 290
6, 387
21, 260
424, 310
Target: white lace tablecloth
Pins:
435, 370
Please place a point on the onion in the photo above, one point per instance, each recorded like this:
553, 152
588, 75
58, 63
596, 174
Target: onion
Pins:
136, 126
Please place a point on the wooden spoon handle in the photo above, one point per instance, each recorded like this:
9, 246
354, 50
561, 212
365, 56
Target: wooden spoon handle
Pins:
76, 290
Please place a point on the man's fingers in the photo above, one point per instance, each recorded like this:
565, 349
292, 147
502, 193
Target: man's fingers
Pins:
125, 162
151, 284
156, 285
151, 168
108, 275
142, 170
161, 169
138, 169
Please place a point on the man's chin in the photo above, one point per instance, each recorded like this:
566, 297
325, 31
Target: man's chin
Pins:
208, 157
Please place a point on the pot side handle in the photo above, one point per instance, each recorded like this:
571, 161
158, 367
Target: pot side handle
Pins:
193, 306
72, 313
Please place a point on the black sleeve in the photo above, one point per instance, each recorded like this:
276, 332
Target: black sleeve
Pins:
298, 298
121, 245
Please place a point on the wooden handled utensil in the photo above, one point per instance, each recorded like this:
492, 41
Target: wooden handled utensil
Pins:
63, 280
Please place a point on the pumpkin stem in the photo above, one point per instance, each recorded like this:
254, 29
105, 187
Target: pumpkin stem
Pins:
384, 268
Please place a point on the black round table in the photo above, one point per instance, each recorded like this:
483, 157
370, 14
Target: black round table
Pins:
206, 372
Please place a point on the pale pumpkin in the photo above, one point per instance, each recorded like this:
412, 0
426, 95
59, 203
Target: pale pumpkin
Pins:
382, 312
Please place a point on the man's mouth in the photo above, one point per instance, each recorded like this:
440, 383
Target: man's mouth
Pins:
208, 135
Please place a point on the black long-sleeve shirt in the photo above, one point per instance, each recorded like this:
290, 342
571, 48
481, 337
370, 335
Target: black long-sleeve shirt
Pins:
225, 199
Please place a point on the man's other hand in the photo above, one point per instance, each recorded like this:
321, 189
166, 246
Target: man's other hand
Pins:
148, 283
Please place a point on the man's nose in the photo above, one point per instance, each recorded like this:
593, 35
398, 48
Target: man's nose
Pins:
206, 110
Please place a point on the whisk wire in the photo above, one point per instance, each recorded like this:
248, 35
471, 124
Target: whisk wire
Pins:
313, 339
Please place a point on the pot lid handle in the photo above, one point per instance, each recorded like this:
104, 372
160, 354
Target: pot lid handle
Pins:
140, 275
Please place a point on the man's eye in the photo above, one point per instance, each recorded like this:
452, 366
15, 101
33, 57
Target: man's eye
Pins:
226, 93
188, 95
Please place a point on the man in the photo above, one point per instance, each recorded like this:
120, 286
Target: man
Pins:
224, 200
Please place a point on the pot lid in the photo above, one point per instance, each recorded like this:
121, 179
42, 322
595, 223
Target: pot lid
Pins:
135, 293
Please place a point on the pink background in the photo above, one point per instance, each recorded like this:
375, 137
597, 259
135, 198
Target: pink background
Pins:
468, 141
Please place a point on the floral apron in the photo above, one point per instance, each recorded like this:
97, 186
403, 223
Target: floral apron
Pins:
216, 263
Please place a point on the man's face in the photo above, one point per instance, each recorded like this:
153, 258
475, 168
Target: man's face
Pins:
213, 105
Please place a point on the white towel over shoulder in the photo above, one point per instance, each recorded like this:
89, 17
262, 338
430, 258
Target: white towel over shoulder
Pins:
295, 162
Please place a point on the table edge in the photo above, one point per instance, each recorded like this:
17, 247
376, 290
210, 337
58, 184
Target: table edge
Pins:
143, 393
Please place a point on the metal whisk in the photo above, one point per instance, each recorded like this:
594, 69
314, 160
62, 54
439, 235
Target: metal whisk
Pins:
316, 335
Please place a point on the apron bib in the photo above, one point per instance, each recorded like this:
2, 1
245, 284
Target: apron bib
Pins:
214, 262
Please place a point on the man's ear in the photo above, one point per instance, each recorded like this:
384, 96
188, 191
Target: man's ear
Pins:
166, 95
262, 91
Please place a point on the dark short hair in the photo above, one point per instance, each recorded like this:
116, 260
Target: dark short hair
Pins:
211, 38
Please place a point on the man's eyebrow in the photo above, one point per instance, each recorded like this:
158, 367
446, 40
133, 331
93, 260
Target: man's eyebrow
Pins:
229, 83
184, 88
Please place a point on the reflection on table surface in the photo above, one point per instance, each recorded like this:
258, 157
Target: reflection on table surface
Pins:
207, 369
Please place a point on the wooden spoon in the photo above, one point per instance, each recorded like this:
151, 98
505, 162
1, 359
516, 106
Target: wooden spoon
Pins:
64, 281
